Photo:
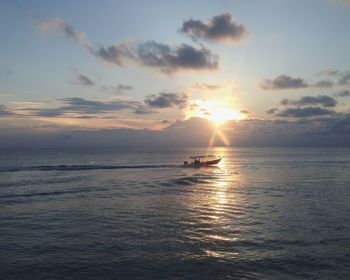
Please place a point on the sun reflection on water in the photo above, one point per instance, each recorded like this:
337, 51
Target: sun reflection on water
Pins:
221, 201
216, 208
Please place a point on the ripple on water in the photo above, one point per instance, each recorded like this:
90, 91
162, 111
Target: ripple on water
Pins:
263, 214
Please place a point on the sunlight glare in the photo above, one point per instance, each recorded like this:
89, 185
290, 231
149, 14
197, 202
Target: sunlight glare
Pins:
221, 115
216, 112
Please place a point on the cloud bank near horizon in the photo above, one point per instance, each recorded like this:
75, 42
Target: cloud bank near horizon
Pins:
325, 131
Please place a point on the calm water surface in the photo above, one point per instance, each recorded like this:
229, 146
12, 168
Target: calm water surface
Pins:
111, 214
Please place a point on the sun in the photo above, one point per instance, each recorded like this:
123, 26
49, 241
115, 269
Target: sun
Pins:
216, 112
221, 115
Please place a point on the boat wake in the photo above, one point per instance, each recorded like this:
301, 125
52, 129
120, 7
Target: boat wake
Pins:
81, 167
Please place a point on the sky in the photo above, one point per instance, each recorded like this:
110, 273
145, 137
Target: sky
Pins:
234, 72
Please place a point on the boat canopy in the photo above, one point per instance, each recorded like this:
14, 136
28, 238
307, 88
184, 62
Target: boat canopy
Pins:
203, 156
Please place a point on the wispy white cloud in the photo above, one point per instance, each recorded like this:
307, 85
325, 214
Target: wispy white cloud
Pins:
62, 26
81, 79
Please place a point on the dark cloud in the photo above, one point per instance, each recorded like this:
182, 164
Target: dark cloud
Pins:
283, 82
122, 87
167, 100
83, 80
119, 89
330, 131
83, 106
340, 125
204, 111
160, 56
4, 111
272, 111
324, 84
90, 106
244, 111
221, 28
184, 57
143, 110
286, 82
343, 93
49, 112
323, 100
305, 112
116, 54
150, 54
344, 78
59, 24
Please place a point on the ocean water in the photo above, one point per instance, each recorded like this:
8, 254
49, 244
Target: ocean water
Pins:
114, 214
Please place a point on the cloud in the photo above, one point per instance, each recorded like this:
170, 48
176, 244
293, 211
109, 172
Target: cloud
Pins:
120, 88
272, 111
143, 110
324, 84
4, 111
150, 53
167, 100
65, 28
323, 100
343, 93
286, 82
82, 80
206, 87
221, 28
159, 56
330, 131
116, 54
48, 112
329, 72
7, 94
340, 125
83, 106
168, 60
305, 112
92, 106
283, 82
344, 78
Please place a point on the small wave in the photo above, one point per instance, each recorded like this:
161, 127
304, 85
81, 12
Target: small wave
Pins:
191, 180
81, 167
51, 193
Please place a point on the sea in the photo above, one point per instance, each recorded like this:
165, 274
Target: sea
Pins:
262, 213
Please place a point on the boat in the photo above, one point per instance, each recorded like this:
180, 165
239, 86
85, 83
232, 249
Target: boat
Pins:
202, 161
